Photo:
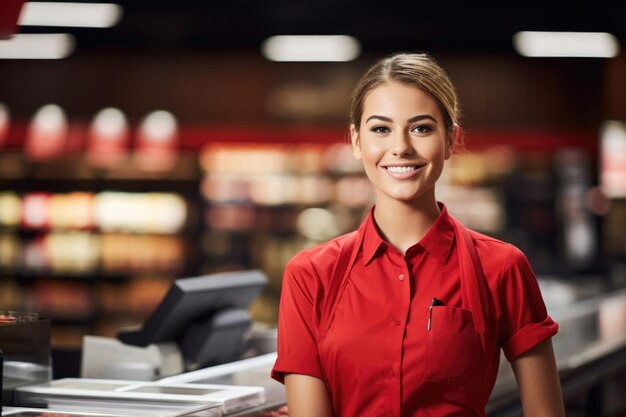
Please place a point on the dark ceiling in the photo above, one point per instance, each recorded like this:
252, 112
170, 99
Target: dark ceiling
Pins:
379, 25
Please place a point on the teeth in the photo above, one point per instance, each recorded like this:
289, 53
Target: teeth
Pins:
401, 169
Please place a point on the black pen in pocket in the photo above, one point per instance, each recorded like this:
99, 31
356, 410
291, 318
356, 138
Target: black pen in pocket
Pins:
435, 302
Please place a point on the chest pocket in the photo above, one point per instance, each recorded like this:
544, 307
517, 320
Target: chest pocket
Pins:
454, 354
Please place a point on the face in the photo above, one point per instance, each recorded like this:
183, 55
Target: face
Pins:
402, 142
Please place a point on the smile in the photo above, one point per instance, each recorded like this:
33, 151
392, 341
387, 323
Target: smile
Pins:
403, 172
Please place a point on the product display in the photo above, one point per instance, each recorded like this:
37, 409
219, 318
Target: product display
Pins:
107, 139
613, 158
17, 316
69, 227
10, 207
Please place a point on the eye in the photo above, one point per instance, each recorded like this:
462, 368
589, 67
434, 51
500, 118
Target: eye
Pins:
422, 129
380, 129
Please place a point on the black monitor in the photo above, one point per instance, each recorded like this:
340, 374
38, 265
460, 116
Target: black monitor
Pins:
206, 316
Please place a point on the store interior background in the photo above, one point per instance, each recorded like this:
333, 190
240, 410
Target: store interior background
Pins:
261, 167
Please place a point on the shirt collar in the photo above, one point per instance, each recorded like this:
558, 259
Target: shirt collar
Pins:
437, 241
371, 237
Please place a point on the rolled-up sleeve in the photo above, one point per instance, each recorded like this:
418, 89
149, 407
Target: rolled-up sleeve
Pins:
297, 324
524, 322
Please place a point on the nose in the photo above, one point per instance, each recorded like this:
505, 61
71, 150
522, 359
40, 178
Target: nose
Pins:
401, 144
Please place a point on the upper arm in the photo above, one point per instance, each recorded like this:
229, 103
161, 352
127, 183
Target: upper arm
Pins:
307, 396
297, 323
524, 321
538, 381
525, 333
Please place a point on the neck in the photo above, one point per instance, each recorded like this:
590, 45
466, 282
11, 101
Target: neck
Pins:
403, 224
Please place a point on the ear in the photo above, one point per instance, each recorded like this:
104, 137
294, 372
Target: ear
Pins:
356, 142
451, 139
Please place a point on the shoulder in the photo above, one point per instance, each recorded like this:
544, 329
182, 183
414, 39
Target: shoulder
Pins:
319, 261
497, 256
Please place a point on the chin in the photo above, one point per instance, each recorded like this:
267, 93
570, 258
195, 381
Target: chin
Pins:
403, 197
410, 196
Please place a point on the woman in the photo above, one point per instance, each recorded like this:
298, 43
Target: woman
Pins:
407, 315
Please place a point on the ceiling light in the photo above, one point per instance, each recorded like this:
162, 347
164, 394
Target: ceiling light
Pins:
95, 15
331, 48
566, 44
37, 46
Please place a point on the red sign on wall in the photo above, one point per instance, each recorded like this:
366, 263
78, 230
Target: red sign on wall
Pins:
9, 14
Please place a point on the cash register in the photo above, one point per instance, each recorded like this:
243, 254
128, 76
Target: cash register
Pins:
201, 321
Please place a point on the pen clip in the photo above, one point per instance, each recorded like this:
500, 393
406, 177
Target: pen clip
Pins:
435, 302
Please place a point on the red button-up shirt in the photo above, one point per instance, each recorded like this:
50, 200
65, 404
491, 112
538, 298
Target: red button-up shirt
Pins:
379, 358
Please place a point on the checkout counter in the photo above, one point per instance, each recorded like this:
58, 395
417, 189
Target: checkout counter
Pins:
590, 349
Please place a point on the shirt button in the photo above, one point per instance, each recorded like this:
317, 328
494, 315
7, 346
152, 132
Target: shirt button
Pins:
397, 322
392, 374
401, 277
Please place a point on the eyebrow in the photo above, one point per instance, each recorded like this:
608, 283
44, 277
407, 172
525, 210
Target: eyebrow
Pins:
411, 120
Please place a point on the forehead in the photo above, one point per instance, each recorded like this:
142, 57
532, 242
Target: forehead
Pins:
398, 98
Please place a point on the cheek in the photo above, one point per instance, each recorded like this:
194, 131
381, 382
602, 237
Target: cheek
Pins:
371, 149
435, 150
369, 157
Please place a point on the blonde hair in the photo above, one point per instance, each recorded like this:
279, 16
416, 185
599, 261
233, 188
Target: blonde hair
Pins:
421, 71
